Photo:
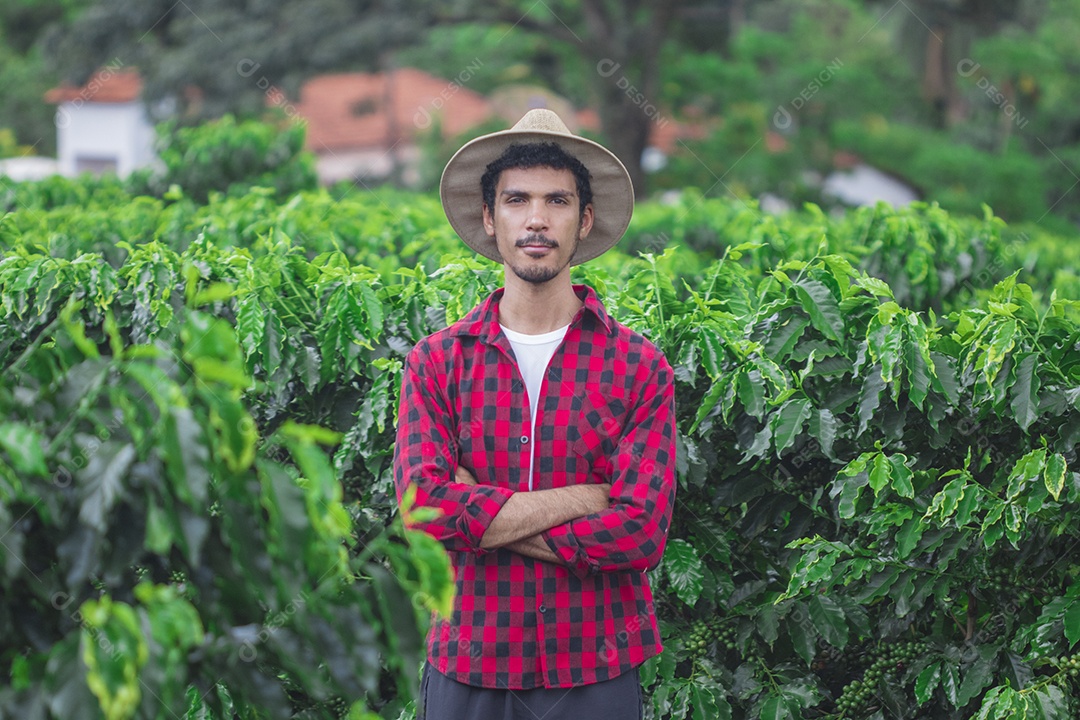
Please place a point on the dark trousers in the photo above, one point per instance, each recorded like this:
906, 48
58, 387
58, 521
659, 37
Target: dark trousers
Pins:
444, 699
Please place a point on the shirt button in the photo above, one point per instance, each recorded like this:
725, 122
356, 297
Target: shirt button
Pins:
524, 439
542, 609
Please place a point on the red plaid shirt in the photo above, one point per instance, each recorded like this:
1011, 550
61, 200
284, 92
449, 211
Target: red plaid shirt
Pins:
606, 414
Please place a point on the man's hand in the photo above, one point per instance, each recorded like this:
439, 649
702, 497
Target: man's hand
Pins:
464, 476
577, 499
530, 513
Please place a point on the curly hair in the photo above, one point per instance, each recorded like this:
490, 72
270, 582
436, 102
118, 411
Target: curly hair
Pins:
529, 155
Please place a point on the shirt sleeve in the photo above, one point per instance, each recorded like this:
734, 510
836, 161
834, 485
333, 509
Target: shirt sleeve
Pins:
632, 533
425, 456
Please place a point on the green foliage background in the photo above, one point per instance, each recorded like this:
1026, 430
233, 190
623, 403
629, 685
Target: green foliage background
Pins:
878, 415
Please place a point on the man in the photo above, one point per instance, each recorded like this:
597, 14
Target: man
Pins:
543, 430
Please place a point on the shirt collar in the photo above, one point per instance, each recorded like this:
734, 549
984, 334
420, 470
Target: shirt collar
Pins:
483, 320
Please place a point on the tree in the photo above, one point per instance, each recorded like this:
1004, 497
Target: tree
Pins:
216, 57
23, 76
941, 32
619, 45
233, 52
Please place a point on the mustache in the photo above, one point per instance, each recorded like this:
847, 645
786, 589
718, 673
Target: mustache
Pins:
536, 239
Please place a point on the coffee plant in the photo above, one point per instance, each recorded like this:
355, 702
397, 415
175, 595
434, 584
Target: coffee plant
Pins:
877, 505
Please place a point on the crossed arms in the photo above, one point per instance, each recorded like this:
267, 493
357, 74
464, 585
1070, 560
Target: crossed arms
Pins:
520, 523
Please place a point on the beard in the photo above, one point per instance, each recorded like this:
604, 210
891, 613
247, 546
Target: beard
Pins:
540, 274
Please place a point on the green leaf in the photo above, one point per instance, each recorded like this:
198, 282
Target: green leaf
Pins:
779, 707
888, 350
1025, 393
874, 286
1026, 471
917, 360
879, 473
113, 650
1000, 345
768, 623
212, 294
944, 379
992, 527
847, 491
978, 676
927, 682
823, 427
102, 481
751, 391
969, 503
869, 399
1052, 702
1016, 671
788, 423
1054, 474
802, 632
818, 302
745, 683
436, 586
236, 433
373, 308
800, 693
708, 403
783, 337
187, 457
273, 345
707, 704
760, 445
829, 620
1071, 619
24, 446
947, 500
904, 593
250, 324
712, 352
878, 586
950, 682
1014, 522
684, 569
995, 707
900, 475
909, 536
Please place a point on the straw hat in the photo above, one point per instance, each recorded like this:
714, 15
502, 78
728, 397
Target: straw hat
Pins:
462, 198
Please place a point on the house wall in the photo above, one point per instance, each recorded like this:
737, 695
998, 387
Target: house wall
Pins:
368, 165
103, 136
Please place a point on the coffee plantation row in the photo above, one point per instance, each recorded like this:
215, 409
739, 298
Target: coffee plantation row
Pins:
877, 513
930, 259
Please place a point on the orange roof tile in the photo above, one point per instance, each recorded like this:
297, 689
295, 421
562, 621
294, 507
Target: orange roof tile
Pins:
107, 85
348, 110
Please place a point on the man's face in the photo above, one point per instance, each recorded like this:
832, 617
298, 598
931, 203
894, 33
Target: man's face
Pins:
536, 221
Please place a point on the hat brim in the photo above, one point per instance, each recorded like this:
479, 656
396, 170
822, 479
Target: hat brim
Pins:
462, 197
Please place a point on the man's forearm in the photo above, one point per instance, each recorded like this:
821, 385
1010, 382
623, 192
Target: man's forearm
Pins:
534, 547
528, 513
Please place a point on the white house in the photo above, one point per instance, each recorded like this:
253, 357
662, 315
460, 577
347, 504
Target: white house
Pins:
102, 126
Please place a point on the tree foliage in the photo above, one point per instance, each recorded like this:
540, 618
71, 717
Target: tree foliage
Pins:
224, 156
878, 424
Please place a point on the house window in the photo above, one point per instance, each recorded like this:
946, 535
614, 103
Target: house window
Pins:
364, 106
95, 165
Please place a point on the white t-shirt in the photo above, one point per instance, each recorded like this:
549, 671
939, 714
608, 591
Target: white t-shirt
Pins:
533, 354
